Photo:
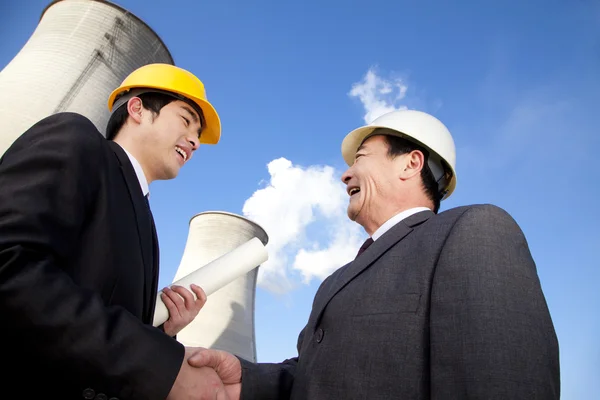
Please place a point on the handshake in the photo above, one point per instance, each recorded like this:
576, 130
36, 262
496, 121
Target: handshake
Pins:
207, 374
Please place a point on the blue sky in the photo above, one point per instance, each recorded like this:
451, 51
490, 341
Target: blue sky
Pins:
517, 84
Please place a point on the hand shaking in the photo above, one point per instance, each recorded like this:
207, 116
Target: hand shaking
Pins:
225, 365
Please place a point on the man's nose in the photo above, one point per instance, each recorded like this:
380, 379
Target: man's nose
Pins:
194, 142
346, 176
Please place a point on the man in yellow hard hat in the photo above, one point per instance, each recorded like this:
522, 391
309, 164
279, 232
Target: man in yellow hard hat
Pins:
79, 252
436, 305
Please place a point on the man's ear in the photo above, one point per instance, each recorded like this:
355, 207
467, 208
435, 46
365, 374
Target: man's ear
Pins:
412, 164
135, 108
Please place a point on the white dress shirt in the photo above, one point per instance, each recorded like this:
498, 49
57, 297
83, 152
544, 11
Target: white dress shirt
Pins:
395, 219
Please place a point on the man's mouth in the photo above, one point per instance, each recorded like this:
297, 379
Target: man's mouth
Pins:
181, 152
352, 191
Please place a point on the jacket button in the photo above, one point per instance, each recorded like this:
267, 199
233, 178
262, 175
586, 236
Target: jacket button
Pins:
88, 394
319, 335
100, 396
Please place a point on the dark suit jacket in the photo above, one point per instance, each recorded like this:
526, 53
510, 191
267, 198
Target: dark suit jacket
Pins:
441, 307
78, 277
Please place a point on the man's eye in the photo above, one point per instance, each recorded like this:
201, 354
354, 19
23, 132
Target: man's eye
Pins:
187, 122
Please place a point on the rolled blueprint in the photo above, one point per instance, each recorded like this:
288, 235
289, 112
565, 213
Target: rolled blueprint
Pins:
218, 273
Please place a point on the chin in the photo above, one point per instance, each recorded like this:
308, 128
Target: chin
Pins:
351, 214
169, 174
174, 171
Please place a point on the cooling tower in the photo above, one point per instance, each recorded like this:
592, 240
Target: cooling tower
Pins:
80, 51
226, 321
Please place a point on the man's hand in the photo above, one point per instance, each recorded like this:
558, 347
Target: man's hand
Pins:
182, 306
226, 365
196, 383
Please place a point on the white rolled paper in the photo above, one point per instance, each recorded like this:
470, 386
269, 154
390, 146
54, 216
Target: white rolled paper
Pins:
218, 273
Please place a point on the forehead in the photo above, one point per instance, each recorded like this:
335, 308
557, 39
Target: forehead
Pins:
179, 105
376, 142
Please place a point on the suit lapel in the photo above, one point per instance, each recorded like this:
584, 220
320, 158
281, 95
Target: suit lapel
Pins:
144, 224
370, 255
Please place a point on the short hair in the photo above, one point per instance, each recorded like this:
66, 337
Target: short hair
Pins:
398, 146
153, 101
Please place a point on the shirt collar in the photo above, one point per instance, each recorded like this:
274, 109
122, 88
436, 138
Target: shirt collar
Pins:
139, 172
395, 219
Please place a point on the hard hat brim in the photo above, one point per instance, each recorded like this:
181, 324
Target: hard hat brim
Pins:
354, 139
211, 132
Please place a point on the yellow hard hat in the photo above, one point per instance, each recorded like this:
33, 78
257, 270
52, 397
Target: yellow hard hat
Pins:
176, 80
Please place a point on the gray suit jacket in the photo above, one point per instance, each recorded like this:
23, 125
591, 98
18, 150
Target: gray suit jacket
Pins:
445, 306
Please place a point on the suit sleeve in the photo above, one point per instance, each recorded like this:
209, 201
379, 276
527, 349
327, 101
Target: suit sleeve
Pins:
269, 381
274, 381
161, 328
49, 179
492, 336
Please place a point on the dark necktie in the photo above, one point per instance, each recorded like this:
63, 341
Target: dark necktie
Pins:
154, 263
154, 236
150, 211
366, 244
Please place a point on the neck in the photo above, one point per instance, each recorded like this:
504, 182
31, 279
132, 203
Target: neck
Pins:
130, 145
381, 218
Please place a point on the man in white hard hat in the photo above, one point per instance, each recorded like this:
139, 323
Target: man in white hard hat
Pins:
434, 306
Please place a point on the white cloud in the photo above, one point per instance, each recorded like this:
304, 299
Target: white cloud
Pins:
320, 263
303, 210
379, 95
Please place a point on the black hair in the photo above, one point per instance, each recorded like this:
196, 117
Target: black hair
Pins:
398, 146
153, 101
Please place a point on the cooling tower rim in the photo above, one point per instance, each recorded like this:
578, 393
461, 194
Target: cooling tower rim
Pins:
118, 7
230, 214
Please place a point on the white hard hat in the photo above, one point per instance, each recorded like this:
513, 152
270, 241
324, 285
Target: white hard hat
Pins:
420, 128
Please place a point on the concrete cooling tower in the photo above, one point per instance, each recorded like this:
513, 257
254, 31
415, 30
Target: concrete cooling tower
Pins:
80, 51
226, 321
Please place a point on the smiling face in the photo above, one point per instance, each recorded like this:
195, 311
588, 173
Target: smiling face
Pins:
165, 142
380, 186
370, 181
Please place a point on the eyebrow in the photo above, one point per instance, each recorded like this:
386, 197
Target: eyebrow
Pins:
192, 114
194, 118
